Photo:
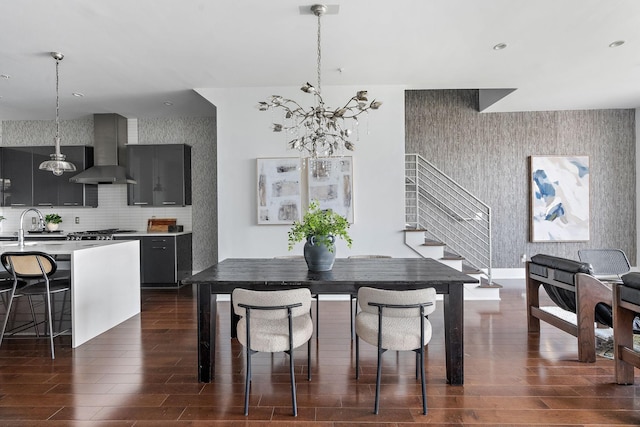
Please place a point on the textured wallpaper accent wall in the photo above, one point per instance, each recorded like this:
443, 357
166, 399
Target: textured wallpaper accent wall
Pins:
488, 154
42, 132
200, 133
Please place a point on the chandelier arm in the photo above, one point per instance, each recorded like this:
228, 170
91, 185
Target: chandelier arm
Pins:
286, 101
356, 114
346, 105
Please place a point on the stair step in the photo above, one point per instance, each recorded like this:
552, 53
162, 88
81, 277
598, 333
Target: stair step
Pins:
484, 283
452, 257
467, 269
428, 242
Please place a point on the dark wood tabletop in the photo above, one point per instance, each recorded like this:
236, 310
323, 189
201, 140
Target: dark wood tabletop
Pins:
346, 277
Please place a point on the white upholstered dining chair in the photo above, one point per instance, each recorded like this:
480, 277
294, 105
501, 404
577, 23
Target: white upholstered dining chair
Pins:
354, 297
395, 320
273, 321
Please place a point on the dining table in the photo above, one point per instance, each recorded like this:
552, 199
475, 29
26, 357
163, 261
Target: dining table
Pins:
346, 276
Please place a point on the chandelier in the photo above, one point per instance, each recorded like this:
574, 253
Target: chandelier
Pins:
320, 131
57, 163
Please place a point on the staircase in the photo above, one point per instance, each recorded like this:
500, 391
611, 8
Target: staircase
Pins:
447, 223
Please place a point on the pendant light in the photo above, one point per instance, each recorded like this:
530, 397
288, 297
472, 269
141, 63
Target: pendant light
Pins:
57, 163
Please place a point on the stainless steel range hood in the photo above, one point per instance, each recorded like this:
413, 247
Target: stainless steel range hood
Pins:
109, 153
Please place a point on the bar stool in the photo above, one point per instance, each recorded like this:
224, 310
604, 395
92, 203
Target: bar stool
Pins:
32, 275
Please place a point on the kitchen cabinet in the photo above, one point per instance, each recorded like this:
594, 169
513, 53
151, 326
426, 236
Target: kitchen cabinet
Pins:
165, 260
162, 172
24, 184
16, 176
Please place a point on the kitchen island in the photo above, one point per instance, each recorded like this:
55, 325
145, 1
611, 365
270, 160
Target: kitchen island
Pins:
105, 282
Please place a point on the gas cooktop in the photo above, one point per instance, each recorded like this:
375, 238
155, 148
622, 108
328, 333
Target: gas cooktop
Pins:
105, 234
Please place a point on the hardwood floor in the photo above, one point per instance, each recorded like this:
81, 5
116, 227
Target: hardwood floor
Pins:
143, 373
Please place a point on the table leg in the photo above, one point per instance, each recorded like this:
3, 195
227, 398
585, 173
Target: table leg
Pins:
233, 318
454, 334
207, 306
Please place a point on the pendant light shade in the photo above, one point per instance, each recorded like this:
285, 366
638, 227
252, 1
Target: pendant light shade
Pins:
57, 164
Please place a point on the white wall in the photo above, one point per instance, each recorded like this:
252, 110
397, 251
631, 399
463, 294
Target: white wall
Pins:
244, 134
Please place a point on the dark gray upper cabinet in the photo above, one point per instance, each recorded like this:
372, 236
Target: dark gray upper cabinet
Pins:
16, 176
24, 184
162, 172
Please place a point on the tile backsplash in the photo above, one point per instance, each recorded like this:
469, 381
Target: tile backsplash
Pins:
112, 212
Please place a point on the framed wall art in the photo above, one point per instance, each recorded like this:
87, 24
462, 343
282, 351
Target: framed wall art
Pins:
330, 182
279, 190
559, 198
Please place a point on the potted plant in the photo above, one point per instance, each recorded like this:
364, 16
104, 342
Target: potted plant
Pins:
52, 221
319, 227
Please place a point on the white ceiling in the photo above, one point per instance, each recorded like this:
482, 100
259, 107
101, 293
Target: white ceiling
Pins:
130, 56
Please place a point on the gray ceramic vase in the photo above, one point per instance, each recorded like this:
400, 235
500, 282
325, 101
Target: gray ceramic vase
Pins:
318, 255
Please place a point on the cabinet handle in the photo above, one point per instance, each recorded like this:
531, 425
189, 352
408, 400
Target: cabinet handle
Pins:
70, 204
140, 203
158, 240
18, 204
45, 204
159, 247
168, 203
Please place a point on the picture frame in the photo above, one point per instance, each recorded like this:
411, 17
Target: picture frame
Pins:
330, 182
559, 198
279, 186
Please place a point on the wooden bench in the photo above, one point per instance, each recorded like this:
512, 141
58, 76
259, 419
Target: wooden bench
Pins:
626, 306
570, 286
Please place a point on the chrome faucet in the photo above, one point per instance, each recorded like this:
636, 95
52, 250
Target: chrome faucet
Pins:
21, 229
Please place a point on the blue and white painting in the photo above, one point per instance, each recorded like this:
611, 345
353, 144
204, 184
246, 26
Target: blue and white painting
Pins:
559, 198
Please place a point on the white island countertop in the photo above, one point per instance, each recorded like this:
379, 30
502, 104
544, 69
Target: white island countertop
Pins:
105, 281
56, 247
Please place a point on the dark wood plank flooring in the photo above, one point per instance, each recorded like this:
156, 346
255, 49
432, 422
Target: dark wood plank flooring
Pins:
143, 373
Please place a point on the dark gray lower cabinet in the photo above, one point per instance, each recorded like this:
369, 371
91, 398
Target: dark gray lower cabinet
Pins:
165, 260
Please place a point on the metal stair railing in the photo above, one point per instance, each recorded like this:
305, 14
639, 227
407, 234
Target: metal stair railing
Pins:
447, 212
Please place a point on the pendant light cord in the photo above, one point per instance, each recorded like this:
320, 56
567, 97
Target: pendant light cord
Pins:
57, 107
319, 56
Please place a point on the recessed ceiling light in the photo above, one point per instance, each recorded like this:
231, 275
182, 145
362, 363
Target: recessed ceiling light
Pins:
5, 76
168, 103
616, 43
500, 46
78, 94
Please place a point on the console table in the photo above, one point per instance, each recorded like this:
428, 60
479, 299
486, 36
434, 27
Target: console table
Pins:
346, 277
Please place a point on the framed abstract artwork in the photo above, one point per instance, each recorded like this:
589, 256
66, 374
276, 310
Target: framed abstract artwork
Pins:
279, 190
330, 182
559, 187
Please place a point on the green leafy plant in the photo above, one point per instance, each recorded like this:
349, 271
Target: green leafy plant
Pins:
320, 223
52, 218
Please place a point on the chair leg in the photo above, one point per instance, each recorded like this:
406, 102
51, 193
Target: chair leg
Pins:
6, 316
33, 316
294, 403
64, 306
247, 381
309, 360
422, 380
378, 377
50, 323
357, 357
